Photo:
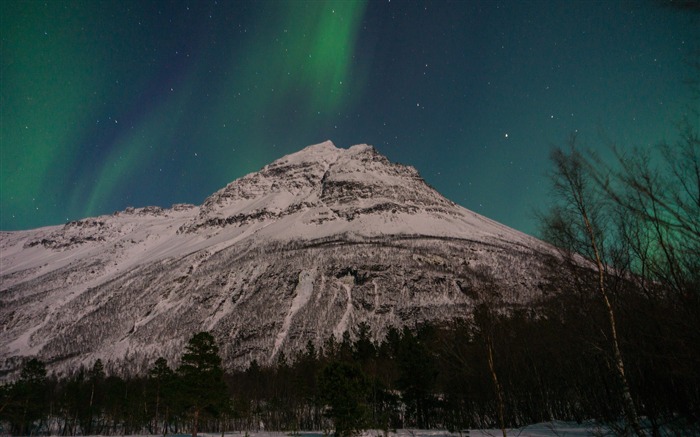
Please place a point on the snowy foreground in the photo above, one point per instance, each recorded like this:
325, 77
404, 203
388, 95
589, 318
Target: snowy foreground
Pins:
547, 429
541, 429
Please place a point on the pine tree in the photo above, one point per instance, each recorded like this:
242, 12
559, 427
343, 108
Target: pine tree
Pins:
26, 400
364, 349
417, 375
160, 378
96, 377
203, 388
344, 389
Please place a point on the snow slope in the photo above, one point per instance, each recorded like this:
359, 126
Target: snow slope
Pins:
307, 247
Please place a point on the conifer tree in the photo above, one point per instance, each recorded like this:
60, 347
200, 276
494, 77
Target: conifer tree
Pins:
26, 401
344, 389
96, 377
160, 377
203, 389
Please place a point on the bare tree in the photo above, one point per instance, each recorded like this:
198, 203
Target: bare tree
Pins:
577, 224
484, 319
660, 194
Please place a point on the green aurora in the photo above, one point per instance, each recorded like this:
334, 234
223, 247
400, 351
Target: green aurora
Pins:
113, 104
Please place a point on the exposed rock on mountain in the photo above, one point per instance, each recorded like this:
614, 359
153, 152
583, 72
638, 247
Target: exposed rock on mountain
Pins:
307, 247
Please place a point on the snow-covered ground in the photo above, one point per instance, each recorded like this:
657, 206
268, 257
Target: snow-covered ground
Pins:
541, 429
547, 429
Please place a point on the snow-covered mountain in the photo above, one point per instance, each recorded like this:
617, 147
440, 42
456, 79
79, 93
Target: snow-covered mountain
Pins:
308, 247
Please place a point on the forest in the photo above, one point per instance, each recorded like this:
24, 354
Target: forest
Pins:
497, 370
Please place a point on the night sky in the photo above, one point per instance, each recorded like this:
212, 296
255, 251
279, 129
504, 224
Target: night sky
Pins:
109, 104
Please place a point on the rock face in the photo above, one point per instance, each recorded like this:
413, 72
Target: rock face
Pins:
308, 247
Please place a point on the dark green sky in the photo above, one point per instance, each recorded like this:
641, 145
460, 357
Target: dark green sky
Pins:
112, 104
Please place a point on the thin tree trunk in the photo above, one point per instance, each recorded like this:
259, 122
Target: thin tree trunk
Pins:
627, 401
22, 429
571, 181
496, 384
92, 395
157, 420
194, 422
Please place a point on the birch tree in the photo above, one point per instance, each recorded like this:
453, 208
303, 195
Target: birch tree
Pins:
577, 223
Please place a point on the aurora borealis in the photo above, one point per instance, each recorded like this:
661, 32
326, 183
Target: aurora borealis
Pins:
110, 104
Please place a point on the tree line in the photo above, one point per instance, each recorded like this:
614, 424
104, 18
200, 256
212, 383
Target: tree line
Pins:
90, 402
497, 369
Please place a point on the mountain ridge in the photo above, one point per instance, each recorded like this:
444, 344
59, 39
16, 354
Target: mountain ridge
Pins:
309, 246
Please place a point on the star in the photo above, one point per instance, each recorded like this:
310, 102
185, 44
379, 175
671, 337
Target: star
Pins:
194, 78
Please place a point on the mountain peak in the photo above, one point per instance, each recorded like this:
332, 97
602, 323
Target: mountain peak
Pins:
325, 152
324, 190
325, 184
321, 152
